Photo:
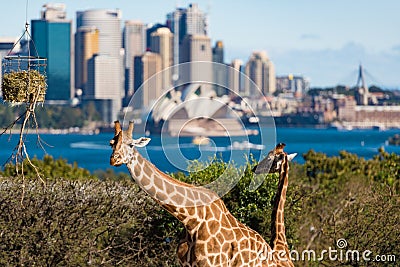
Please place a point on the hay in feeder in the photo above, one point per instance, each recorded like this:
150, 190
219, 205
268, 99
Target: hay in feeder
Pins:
16, 90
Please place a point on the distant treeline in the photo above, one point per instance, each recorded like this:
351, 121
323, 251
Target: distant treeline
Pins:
53, 116
103, 219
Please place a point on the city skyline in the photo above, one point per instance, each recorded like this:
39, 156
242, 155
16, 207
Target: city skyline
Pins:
322, 41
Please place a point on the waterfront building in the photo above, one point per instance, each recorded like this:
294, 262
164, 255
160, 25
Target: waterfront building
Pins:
296, 84
162, 44
86, 46
261, 71
148, 86
352, 115
134, 43
105, 70
52, 36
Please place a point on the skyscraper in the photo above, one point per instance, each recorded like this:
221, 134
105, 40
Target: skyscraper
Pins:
196, 48
150, 29
102, 77
220, 74
195, 21
148, 86
107, 65
218, 52
175, 24
183, 22
134, 43
86, 46
52, 38
261, 71
235, 76
162, 44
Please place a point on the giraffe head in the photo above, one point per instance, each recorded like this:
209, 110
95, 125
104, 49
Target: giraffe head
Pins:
278, 159
123, 145
274, 160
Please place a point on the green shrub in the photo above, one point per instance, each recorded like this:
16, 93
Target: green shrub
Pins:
76, 221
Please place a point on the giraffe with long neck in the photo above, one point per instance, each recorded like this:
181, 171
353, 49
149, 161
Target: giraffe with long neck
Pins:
214, 237
280, 164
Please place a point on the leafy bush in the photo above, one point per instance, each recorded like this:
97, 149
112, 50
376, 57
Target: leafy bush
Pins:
79, 223
75, 221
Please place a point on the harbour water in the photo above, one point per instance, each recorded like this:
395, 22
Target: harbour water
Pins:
171, 154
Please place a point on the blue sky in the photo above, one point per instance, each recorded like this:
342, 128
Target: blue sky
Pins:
324, 40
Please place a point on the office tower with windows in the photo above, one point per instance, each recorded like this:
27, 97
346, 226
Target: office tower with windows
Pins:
183, 22
218, 52
162, 44
134, 43
221, 73
86, 46
148, 85
261, 71
235, 76
52, 38
196, 50
105, 82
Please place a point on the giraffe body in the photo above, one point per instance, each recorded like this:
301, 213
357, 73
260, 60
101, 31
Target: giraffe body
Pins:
218, 239
214, 237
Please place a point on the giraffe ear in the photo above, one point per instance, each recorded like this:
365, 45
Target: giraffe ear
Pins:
291, 156
141, 142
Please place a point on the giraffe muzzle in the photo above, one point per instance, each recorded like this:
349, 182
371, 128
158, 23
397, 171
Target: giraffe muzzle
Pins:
113, 161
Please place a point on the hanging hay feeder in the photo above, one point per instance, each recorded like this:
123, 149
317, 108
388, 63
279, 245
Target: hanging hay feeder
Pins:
24, 79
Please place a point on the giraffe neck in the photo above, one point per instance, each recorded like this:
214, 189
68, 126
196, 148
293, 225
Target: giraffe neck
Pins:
183, 201
278, 237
